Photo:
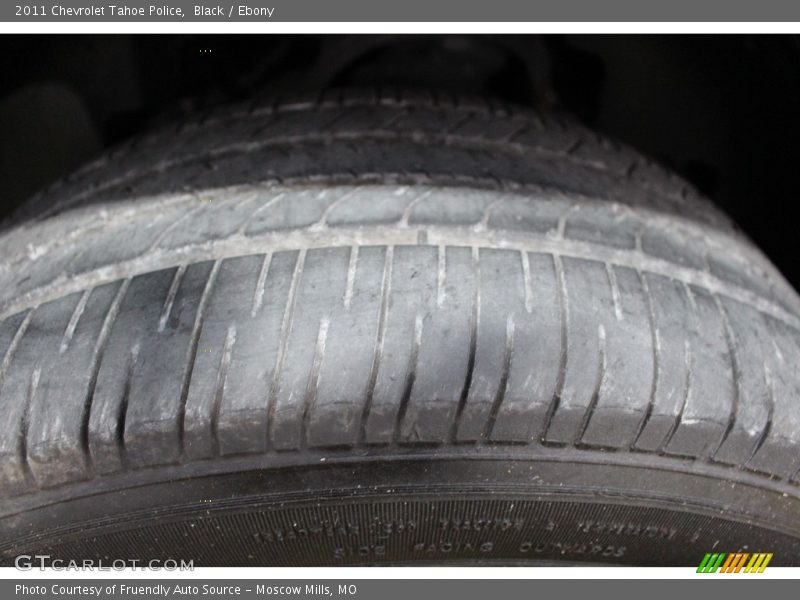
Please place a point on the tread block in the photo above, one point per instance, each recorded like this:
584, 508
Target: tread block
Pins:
627, 382
589, 307
130, 338
670, 314
501, 291
344, 375
58, 410
413, 287
321, 285
244, 403
35, 336
153, 421
535, 360
711, 396
228, 316
364, 207
755, 401
778, 453
443, 353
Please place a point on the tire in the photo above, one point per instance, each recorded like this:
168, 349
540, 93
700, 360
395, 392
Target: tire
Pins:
389, 329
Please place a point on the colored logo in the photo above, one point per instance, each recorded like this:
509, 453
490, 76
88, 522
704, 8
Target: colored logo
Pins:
736, 562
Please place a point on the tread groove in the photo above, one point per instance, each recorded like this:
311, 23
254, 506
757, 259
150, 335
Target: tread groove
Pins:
97, 359
310, 397
22, 439
687, 357
473, 343
219, 387
352, 266
615, 297
736, 374
122, 414
12, 347
265, 206
380, 335
69, 332
191, 355
601, 373
563, 307
526, 275
166, 310
770, 414
502, 387
651, 318
286, 328
411, 375
258, 294
441, 276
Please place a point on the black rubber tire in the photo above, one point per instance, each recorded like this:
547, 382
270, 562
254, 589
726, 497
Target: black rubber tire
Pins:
391, 329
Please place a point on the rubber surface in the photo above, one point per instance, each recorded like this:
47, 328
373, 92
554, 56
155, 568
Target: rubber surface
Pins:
387, 281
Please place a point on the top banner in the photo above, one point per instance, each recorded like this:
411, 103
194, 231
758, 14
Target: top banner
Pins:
465, 11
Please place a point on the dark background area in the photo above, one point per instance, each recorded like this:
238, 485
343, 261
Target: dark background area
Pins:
723, 110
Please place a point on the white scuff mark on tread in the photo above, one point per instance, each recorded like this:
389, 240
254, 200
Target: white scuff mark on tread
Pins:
261, 282
637, 241
69, 332
34, 251
526, 276
692, 303
12, 347
24, 424
419, 321
441, 276
170, 299
322, 222
483, 224
777, 349
601, 337
603, 356
615, 295
322, 336
257, 211
172, 226
351, 276
220, 385
561, 227
316, 366
404, 221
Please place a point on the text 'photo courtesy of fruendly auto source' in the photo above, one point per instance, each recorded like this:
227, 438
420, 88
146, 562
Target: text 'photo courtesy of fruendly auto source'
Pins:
434, 299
